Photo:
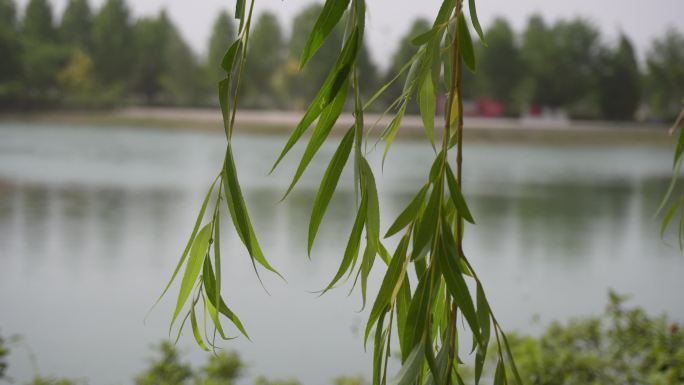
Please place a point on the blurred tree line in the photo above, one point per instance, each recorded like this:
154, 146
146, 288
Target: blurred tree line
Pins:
103, 57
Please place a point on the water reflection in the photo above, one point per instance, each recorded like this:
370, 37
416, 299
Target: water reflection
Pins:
89, 240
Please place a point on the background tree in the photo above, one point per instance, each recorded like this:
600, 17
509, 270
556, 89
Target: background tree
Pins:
167, 370
112, 43
665, 79
266, 48
76, 26
42, 58
151, 37
38, 21
222, 36
500, 67
182, 78
562, 61
10, 51
619, 82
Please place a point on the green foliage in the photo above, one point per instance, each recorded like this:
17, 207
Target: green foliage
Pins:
77, 25
10, 51
40, 380
267, 48
38, 22
426, 318
562, 60
501, 68
112, 42
619, 82
665, 63
624, 346
167, 369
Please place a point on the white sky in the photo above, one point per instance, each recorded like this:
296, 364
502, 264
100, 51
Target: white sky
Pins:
388, 20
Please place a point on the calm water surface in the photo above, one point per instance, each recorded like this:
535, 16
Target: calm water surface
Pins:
92, 222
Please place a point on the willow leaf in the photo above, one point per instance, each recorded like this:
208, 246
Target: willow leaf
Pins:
457, 197
228, 61
210, 287
323, 127
329, 184
238, 211
402, 309
392, 130
447, 258
409, 214
196, 332
465, 43
195, 229
192, 269
668, 216
367, 263
337, 77
373, 210
476, 21
390, 285
428, 109
408, 374
500, 374
516, 373
327, 20
417, 316
426, 228
352, 249
379, 350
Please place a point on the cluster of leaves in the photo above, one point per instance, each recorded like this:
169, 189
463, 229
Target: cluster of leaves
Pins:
425, 318
675, 202
624, 346
4, 352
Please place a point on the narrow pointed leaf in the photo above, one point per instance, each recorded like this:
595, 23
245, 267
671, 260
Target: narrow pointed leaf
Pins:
428, 108
320, 134
476, 21
373, 209
210, 287
192, 269
465, 43
409, 214
196, 332
329, 184
330, 16
457, 197
352, 249
408, 374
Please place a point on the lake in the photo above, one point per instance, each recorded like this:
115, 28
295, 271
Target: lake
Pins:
93, 220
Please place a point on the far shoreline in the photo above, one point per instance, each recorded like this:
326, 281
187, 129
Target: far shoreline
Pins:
249, 122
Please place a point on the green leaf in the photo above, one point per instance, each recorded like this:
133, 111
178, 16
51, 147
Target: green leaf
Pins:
353, 244
411, 369
195, 330
373, 212
425, 37
379, 349
409, 214
457, 197
329, 184
192, 269
402, 310
228, 60
392, 130
330, 16
476, 21
426, 228
428, 109
668, 217
323, 127
447, 258
240, 9
210, 287
390, 285
238, 211
337, 77
417, 315
518, 379
465, 43
500, 374
195, 229
367, 262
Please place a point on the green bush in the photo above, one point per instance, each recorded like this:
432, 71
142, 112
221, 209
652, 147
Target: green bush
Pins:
623, 346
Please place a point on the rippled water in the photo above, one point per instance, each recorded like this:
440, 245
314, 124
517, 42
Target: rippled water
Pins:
92, 221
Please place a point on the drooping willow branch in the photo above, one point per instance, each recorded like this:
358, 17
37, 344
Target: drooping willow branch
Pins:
674, 202
423, 319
